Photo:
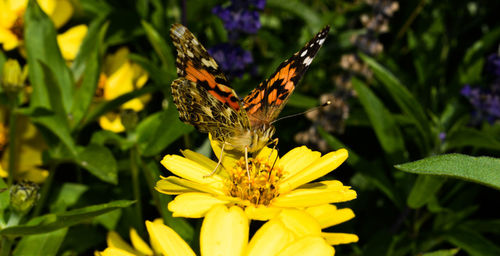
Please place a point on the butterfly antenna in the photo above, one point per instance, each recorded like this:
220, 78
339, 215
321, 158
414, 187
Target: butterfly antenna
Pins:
303, 113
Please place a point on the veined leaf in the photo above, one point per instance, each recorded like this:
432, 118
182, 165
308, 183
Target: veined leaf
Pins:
483, 170
100, 162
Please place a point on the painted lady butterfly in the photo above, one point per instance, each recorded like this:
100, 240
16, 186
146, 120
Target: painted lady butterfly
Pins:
204, 98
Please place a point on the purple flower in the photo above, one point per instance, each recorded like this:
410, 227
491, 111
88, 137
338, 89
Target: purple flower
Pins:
493, 65
486, 102
442, 136
238, 17
232, 59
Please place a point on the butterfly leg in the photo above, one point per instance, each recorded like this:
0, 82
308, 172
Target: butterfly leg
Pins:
246, 163
219, 162
275, 144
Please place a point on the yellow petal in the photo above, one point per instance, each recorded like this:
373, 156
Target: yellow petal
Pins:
140, 75
268, 153
314, 194
229, 157
199, 158
115, 252
308, 246
139, 244
119, 82
224, 231
170, 242
134, 104
340, 238
297, 159
193, 205
111, 122
61, 13
300, 223
47, 6
114, 61
192, 171
17, 6
115, 241
261, 212
69, 42
328, 215
8, 39
319, 168
173, 185
271, 238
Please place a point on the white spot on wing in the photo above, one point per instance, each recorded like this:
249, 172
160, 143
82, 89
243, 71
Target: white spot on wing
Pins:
321, 41
303, 53
190, 54
307, 61
209, 63
179, 31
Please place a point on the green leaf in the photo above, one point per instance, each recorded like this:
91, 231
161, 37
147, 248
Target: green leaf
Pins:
370, 170
383, 122
100, 162
447, 252
4, 198
472, 242
405, 100
41, 244
51, 222
160, 46
423, 190
67, 196
483, 170
54, 123
104, 137
464, 137
158, 130
311, 17
109, 220
107, 106
41, 47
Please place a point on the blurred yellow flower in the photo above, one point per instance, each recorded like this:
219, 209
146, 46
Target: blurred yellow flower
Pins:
225, 231
29, 148
274, 183
59, 11
120, 76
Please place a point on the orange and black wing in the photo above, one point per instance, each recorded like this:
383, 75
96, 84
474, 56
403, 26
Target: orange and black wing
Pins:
265, 102
202, 93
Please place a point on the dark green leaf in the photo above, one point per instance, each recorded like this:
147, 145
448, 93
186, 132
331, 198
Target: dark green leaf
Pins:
472, 242
51, 222
405, 100
56, 124
104, 137
448, 252
299, 9
41, 47
157, 131
109, 220
99, 161
41, 244
473, 138
482, 170
423, 190
107, 106
160, 46
383, 122
4, 198
67, 197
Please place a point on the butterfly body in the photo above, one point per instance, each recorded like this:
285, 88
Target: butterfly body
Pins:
204, 98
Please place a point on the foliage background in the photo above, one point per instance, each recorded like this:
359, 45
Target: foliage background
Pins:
408, 107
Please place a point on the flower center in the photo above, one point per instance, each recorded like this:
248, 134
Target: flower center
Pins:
18, 27
263, 184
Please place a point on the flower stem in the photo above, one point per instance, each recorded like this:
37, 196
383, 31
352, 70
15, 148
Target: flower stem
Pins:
44, 192
12, 145
6, 245
136, 188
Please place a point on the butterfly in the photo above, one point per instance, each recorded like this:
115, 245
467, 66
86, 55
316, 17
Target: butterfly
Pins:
205, 99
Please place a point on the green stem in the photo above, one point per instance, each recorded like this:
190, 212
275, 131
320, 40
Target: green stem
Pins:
44, 192
6, 245
12, 143
136, 188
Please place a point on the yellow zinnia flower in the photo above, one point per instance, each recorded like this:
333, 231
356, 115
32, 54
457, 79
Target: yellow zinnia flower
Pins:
225, 231
120, 76
264, 194
60, 11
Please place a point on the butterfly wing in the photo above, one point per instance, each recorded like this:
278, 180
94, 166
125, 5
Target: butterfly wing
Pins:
202, 93
265, 102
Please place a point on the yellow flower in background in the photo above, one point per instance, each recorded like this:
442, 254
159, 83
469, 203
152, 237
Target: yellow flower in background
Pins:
29, 148
262, 195
120, 76
59, 11
225, 231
